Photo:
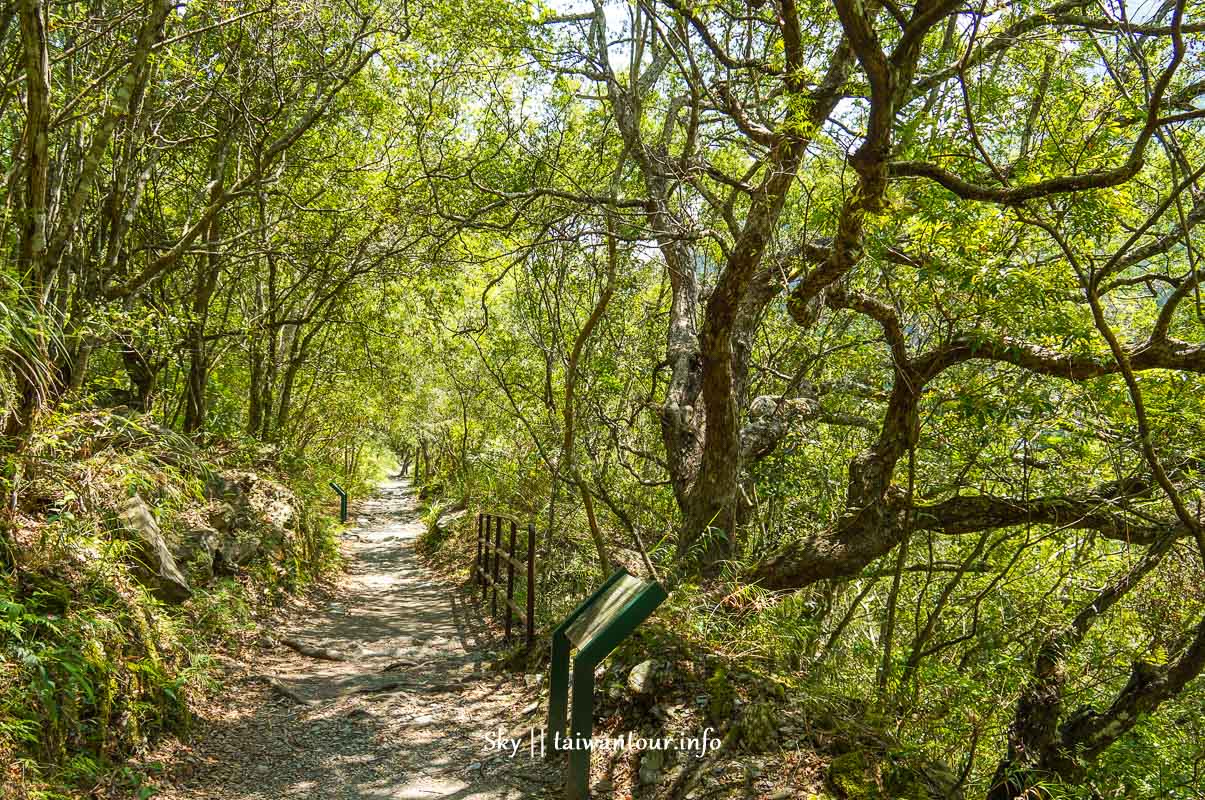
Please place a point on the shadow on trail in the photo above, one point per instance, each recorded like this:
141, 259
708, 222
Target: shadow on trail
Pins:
404, 715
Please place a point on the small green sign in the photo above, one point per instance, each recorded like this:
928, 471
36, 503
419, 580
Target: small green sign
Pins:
595, 628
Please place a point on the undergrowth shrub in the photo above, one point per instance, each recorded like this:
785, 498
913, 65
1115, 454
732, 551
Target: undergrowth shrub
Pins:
92, 670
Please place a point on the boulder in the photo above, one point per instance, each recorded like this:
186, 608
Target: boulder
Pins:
447, 519
223, 517
757, 727
206, 551
276, 506
640, 678
218, 486
157, 562
197, 550
891, 776
651, 762
267, 456
235, 549
251, 514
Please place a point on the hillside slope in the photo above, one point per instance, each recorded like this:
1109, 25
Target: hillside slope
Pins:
128, 556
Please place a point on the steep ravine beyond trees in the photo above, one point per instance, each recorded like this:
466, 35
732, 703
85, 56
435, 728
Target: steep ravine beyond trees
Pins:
381, 689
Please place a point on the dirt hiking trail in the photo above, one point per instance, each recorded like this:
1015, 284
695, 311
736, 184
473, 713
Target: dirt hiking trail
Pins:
403, 713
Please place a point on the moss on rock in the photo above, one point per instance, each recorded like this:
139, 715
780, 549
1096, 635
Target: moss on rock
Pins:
758, 728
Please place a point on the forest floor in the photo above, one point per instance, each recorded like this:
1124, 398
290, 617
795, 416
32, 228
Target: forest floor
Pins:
406, 711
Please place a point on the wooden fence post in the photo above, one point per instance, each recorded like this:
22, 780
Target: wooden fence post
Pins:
531, 584
497, 554
510, 578
485, 555
477, 561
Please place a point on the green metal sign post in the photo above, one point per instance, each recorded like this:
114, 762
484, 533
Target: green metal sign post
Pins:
595, 628
342, 501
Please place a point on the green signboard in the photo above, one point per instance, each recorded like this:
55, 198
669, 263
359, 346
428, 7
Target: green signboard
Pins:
342, 501
594, 629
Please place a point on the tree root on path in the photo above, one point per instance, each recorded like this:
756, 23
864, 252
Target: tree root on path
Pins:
382, 688
280, 688
327, 654
310, 650
411, 686
284, 690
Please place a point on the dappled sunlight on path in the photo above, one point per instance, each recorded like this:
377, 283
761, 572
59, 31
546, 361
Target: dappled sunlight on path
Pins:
404, 713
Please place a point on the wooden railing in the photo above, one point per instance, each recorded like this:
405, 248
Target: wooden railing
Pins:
485, 569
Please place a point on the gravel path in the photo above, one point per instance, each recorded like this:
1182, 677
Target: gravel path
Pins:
407, 714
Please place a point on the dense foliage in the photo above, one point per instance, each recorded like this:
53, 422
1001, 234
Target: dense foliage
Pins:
880, 322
